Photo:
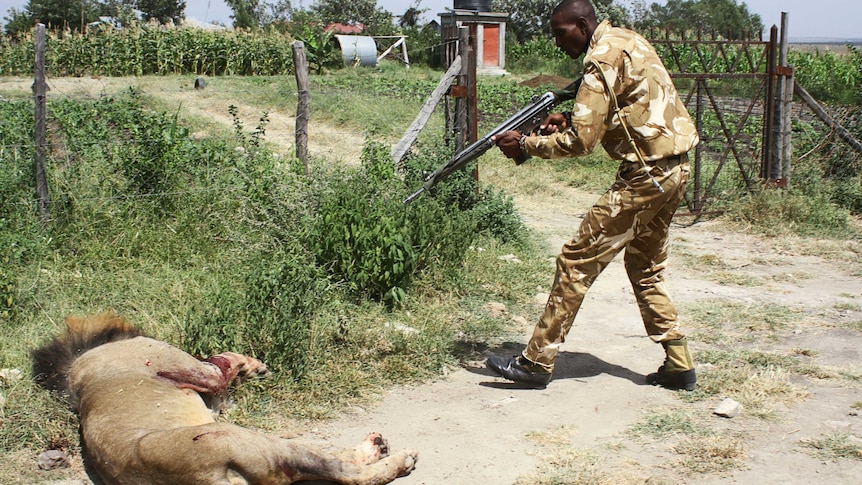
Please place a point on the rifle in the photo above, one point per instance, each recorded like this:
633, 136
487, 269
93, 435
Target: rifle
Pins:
527, 120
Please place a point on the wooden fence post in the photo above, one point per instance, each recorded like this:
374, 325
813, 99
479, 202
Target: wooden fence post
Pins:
300, 66
40, 89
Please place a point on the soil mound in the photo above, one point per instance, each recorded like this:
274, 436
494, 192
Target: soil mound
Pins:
541, 80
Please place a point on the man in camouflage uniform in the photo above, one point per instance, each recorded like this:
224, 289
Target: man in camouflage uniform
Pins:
628, 103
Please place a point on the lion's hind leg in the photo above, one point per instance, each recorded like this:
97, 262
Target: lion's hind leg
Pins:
369, 462
225, 453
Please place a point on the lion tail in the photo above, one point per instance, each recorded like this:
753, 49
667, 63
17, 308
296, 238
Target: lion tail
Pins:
52, 362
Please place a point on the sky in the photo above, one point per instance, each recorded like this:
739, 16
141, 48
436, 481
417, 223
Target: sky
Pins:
837, 19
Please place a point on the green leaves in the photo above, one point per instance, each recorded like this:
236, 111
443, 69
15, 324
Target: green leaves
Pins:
367, 238
140, 50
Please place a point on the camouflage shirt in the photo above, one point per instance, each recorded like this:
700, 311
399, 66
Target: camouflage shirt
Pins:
656, 116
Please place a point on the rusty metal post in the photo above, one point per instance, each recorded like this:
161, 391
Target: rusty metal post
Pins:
769, 110
472, 98
698, 158
785, 103
472, 101
462, 119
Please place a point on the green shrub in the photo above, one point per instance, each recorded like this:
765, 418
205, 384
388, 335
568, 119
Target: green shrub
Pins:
267, 316
493, 210
776, 211
368, 238
540, 55
140, 50
848, 194
829, 76
8, 290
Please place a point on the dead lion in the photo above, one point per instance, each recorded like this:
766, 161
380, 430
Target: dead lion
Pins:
147, 415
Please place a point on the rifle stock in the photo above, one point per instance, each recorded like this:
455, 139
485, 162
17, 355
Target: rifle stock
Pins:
527, 120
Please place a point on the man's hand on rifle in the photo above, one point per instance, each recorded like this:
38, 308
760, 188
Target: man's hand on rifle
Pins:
509, 143
555, 122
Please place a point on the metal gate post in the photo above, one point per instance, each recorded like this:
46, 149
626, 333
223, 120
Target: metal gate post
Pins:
769, 115
698, 117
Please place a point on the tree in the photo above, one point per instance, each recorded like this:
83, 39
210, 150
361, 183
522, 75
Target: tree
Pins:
247, 14
355, 12
17, 22
163, 10
528, 19
58, 14
122, 11
725, 17
531, 19
410, 18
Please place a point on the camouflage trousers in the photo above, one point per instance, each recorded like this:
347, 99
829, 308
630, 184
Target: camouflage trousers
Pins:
632, 215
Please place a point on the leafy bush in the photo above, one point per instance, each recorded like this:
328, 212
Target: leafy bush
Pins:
368, 238
848, 194
829, 76
268, 316
8, 290
540, 55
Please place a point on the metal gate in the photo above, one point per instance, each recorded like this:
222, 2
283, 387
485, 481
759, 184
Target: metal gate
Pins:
727, 86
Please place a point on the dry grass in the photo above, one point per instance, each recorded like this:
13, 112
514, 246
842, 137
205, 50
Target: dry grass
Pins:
711, 454
571, 466
835, 446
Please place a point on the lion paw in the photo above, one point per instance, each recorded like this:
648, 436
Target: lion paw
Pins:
410, 459
371, 449
240, 366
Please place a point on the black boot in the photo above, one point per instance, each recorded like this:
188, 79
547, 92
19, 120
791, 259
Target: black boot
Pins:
678, 372
519, 370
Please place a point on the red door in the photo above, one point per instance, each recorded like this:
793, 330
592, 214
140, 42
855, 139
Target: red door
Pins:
491, 45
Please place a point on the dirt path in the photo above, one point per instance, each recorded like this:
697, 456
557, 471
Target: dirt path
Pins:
472, 427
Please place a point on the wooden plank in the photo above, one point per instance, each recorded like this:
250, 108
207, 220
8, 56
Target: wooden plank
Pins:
425, 113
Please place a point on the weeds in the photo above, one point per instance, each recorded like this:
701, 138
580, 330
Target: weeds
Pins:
711, 454
666, 424
571, 467
743, 321
835, 446
758, 380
